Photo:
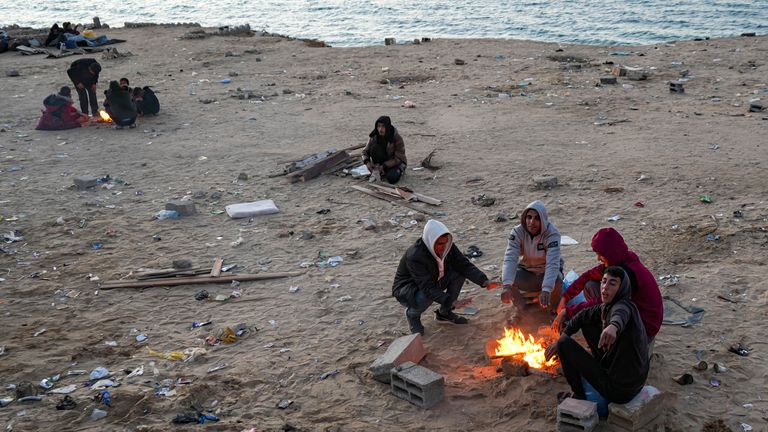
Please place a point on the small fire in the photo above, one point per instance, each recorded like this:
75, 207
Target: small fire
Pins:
514, 343
104, 116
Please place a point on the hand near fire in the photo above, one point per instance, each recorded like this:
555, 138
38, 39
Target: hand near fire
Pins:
506, 294
559, 322
607, 337
544, 299
551, 351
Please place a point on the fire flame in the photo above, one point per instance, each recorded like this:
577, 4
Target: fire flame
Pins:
104, 116
514, 343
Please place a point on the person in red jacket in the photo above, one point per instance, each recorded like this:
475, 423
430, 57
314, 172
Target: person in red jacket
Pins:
611, 250
60, 113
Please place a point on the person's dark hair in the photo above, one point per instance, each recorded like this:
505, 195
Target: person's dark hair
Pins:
126, 81
615, 271
65, 91
95, 68
386, 121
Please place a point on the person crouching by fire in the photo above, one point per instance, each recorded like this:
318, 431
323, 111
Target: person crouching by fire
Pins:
618, 365
433, 270
532, 263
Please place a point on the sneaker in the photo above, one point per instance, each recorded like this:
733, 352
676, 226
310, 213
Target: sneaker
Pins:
415, 325
449, 317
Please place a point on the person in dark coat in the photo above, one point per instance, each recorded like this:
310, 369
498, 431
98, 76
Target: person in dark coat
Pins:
146, 101
120, 106
60, 113
384, 155
433, 270
84, 74
618, 364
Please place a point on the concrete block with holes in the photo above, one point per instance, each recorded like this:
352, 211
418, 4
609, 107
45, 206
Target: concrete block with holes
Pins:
417, 384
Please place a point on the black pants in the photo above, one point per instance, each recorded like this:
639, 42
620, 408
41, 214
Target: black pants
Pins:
416, 300
87, 95
393, 174
577, 363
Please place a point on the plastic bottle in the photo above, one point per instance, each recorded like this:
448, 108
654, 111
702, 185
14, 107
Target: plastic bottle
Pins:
167, 214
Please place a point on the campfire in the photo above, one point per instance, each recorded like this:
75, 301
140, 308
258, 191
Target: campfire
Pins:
104, 116
520, 352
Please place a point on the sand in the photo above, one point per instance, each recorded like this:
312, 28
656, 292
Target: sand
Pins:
591, 137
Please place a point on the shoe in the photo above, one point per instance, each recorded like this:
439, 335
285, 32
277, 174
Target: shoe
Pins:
415, 325
449, 317
561, 396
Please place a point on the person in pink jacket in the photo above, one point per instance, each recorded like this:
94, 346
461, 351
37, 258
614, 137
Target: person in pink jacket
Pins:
611, 250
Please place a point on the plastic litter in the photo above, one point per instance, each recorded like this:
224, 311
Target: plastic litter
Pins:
141, 338
167, 214
614, 218
256, 208
284, 403
65, 390
706, 199
171, 355
739, 349
66, 404
98, 414
329, 374
197, 324
99, 373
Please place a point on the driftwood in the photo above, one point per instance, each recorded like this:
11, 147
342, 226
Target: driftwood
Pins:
216, 270
318, 168
394, 200
406, 194
195, 280
427, 161
158, 274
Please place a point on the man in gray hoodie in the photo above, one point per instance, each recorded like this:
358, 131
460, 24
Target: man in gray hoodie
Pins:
433, 270
532, 264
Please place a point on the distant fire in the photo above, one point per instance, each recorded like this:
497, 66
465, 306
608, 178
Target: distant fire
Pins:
104, 116
516, 344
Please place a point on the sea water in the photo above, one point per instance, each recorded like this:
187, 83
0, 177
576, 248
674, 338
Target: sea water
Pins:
367, 22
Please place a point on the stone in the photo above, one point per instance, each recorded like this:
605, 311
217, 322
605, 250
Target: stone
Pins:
545, 181
216, 195
419, 217
756, 107
609, 79
307, 235
85, 182
368, 225
182, 264
426, 39
618, 71
96, 23
459, 62
12, 73
417, 384
501, 217
676, 87
637, 74
242, 176
184, 208
389, 41
643, 410
405, 349
199, 195
577, 415
514, 367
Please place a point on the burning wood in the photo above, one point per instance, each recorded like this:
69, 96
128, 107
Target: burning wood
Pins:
105, 117
515, 344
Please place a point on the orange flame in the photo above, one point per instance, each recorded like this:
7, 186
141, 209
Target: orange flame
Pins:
514, 343
104, 116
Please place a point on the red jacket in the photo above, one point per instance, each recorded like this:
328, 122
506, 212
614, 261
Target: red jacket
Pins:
608, 243
59, 114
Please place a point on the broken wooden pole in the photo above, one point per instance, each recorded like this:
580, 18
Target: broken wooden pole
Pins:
197, 280
216, 270
319, 167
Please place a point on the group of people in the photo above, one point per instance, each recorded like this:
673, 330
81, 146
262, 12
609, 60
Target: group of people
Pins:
617, 305
122, 103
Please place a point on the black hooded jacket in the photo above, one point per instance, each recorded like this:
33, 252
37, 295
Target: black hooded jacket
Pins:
120, 104
80, 73
388, 150
626, 362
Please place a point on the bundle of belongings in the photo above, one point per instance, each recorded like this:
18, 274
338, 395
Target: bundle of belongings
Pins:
60, 113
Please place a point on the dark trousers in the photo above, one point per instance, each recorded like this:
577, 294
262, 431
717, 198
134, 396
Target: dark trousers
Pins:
416, 300
87, 95
393, 174
528, 285
577, 363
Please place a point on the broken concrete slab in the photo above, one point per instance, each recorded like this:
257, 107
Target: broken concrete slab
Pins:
184, 208
638, 413
676, 87
417, 384
85, 182
545, 181
405, 349
608, 79
636, 74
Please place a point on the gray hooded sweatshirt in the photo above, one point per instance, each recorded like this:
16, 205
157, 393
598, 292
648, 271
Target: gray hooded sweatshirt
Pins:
537, 254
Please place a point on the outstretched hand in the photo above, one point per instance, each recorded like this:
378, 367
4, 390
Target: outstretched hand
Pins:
506, 294
559, 322
551, 351
544, 299
607, 338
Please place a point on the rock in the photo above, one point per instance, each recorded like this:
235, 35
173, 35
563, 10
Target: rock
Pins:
756, 107
287, 91
609, 79
618, 71
12, 73
459, 62
545, 181
216, 196
368, 225
307, 235
389, 41
242, 176
637, 74
501, 217
676, 87
182, 264
513, 367
419, 217
233, 74
184, 208
483, 201
85, 182
199, 195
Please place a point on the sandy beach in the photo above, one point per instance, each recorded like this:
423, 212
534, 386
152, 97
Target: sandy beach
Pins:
514, 110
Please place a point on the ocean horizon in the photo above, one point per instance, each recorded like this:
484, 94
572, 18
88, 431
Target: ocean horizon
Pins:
346, 23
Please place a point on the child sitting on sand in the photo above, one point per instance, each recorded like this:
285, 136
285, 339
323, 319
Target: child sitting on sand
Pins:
60, 113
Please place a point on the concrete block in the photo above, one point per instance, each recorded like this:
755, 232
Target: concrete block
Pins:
756, 107
571, 427
185, 208
545, 181
609, 79
389, 41
638, 413
618, 71
577, 415
636, 74
676, 87
417, 384
85, 182
405, 349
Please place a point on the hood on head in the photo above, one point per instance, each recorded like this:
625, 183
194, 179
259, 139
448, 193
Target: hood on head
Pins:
539, 208
390, 129
625, 290
115, 87
432, 231
608, 243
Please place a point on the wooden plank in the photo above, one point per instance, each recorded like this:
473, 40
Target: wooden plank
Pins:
196, 280
216, 270
399, 201
315, 170
393, 190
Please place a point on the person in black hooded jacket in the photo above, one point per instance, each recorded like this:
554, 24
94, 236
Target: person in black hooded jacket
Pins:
146, 101
614, 331
84, 74
384, 155
120, 106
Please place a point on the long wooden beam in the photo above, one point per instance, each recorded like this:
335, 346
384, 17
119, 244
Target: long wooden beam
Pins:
197, 280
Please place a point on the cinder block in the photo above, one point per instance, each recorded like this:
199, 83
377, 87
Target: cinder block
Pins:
577, 415
185, 208
417, 384
618, 71
389, 41
676, 87
636, 74
405, 349
608, 79
756, 107
85, 182
638, 413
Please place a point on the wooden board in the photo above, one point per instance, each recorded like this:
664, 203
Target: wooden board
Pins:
395, 200
216, 270
196, 280
393, 191
319, 167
